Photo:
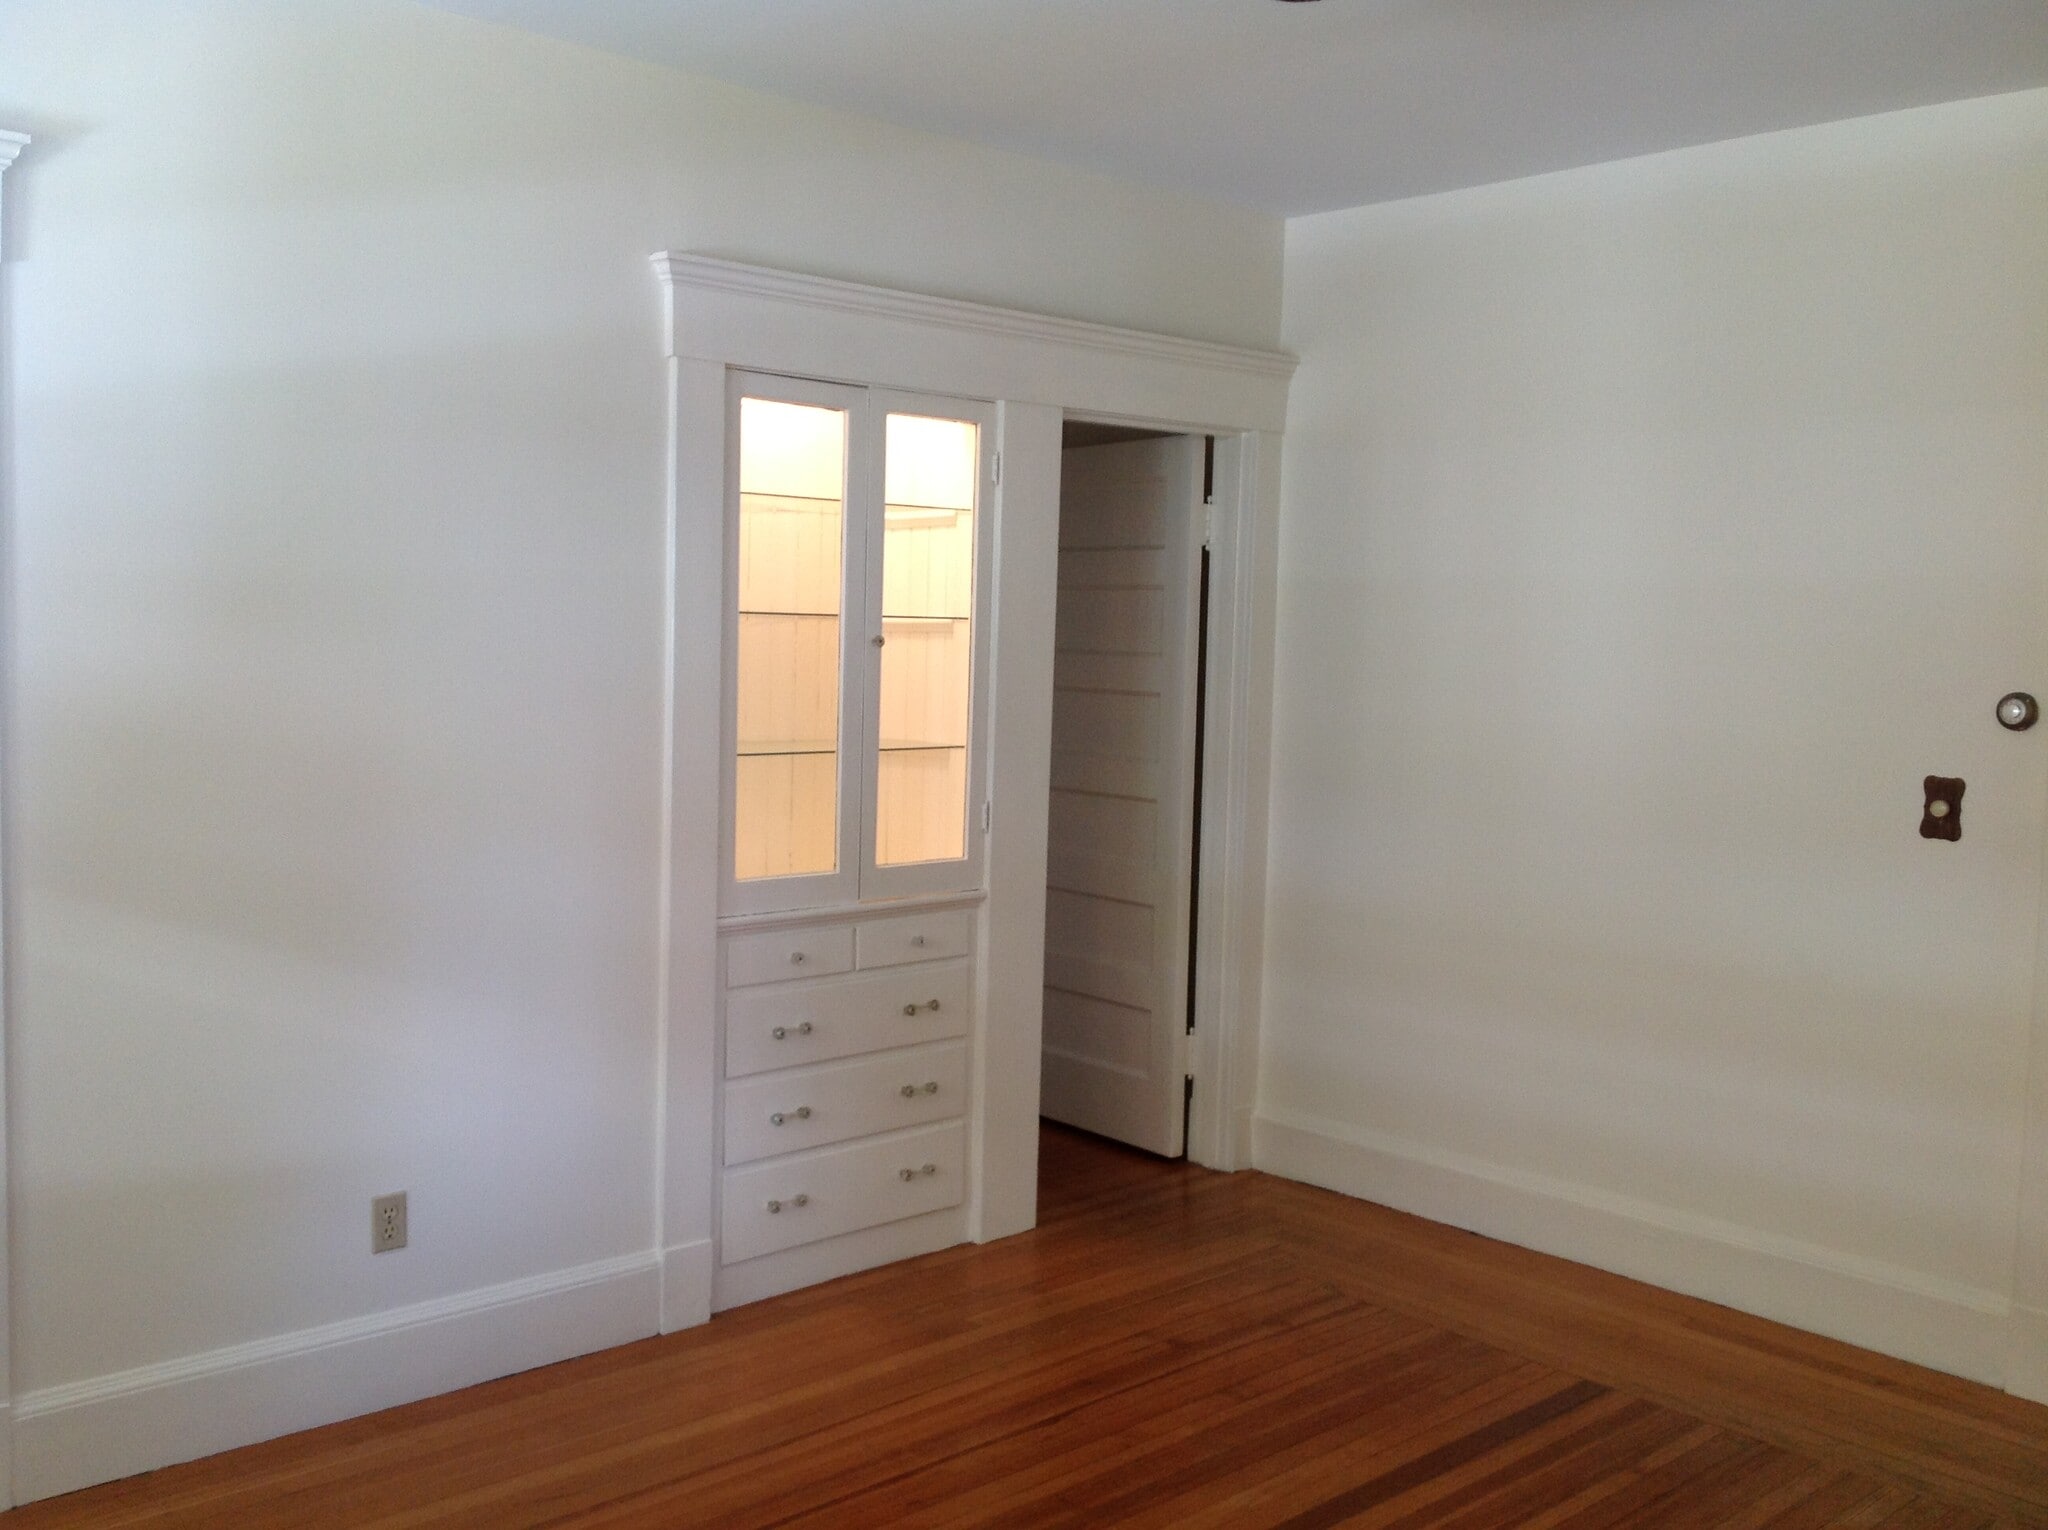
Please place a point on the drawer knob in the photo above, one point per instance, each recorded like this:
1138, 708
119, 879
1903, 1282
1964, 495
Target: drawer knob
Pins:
906, 1175
911, 1009
781, 1032
917, 940
801, 1113
775, 1207
796, 958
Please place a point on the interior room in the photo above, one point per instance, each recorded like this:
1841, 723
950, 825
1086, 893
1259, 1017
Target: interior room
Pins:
1238, 762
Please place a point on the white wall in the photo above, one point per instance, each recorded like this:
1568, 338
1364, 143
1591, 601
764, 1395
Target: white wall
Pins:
1650, 531
336, 569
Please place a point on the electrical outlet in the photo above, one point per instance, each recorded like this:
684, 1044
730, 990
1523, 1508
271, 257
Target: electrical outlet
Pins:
387, 1223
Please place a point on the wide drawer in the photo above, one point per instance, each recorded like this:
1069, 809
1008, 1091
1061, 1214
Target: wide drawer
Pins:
776, 956
914, 938
802, 1198
795, 1108
816, 1022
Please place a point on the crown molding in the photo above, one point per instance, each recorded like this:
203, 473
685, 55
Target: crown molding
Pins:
757, 316
11, 145
714, 275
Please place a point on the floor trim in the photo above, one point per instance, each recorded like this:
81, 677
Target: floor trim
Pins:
2026, 1372
1949, 1326
68, 1437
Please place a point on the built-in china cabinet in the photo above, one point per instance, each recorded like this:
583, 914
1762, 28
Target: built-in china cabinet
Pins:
864, 514
853, 823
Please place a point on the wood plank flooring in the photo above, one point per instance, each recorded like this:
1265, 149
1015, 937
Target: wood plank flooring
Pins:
1170, 1348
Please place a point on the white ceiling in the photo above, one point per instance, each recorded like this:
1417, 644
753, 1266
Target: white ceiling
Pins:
1301, 107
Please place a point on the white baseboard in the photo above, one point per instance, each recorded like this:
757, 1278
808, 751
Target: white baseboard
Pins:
71, 1436
2026, 1368
686, 1270
6, 1456
1895, 1311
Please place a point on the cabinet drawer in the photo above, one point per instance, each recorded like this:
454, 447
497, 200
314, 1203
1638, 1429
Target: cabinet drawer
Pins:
776, 956
845, 1016
795, 1108
800, 1199
915, 938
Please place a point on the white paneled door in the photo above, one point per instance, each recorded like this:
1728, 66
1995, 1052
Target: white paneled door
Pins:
1123, 782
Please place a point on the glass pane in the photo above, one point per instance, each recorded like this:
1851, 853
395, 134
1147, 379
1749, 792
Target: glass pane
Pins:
929, 477
792, 511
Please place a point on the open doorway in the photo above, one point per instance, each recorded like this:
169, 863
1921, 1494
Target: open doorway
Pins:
1123, 820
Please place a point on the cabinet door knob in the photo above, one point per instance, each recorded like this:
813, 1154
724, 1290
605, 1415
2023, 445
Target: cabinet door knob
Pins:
801, 1113
910, 1009
804, 1029
930, 1168
878, 640
932, 1087
933, 1006
780, 1033
917, 940
796, 958
907, 1090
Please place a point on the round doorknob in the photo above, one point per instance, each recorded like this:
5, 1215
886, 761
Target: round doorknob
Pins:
2018, 711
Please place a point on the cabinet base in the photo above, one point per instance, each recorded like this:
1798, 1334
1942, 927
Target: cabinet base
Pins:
752, 1280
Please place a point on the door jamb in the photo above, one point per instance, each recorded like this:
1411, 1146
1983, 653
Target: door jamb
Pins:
1229, 916
11, 145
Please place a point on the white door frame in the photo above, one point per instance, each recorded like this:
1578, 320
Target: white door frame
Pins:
11, 145
1035, 369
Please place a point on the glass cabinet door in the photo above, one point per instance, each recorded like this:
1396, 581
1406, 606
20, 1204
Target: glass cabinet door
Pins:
856, 578
788, 626
930, 467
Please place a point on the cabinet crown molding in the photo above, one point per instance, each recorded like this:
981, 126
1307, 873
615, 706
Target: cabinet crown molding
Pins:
705, 273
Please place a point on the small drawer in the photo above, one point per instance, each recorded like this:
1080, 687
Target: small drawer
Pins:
796, 1108
815, 1022
807, 1196
776, 956
915, 938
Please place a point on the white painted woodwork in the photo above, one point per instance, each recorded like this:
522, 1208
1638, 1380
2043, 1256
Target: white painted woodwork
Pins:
1012, 933
841, 1061
796, 1108
892, 1008
1122, 803
844, 1188
913, 938
796, 604
11, 145
776, 956
739, 317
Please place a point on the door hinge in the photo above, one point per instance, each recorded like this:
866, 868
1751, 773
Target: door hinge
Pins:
1208, 520
995, 472
987, 816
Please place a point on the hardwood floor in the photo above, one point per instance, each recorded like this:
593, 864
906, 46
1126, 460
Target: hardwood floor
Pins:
1171, 1347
